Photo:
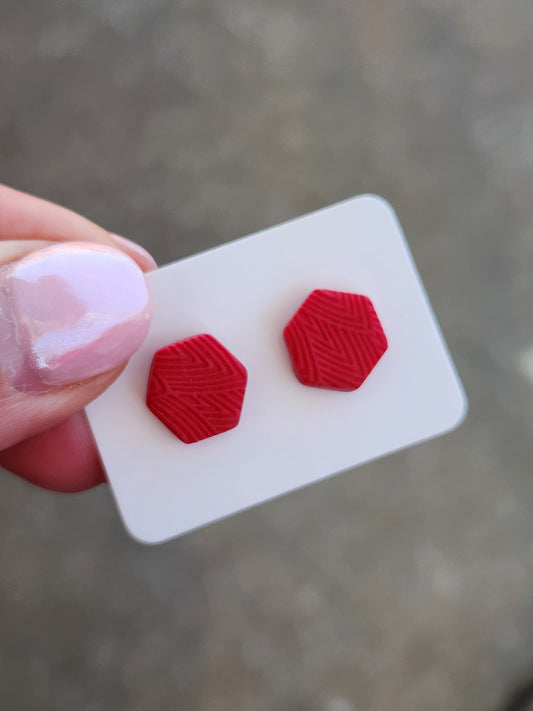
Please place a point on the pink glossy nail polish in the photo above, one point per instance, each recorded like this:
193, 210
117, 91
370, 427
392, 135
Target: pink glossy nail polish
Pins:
145, 259
69, 312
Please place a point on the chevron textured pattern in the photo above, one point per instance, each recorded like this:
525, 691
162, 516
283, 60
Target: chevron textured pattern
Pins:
334, 340
196, 388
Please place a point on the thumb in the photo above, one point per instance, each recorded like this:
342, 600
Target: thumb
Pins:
71, 314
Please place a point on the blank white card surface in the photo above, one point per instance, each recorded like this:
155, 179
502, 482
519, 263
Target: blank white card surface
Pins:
290, 435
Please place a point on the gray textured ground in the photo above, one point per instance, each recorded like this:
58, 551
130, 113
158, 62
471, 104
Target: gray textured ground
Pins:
407, 584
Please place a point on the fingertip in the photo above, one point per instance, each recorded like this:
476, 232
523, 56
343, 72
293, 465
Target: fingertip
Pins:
64, 458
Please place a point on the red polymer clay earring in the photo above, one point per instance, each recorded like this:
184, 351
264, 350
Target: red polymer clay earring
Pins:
196, 388
334, 340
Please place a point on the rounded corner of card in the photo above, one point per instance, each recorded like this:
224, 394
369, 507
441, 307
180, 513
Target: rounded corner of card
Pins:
458, 409
142, 533
377, 203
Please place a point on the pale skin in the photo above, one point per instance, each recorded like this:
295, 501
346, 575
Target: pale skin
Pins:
45, 438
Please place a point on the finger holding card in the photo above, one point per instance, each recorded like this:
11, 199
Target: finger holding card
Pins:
73, 307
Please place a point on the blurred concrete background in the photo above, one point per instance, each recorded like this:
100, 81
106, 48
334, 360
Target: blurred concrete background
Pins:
407, 584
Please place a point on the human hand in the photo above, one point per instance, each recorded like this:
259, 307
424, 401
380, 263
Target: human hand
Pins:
70, 317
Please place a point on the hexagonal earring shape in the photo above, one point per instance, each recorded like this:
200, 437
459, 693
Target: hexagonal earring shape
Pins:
196, 388
334, 340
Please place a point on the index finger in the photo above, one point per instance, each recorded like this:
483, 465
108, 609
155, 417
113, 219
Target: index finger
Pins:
25, 217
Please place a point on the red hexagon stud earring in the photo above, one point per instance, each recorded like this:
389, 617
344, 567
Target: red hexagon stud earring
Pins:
196, 388
334, 340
